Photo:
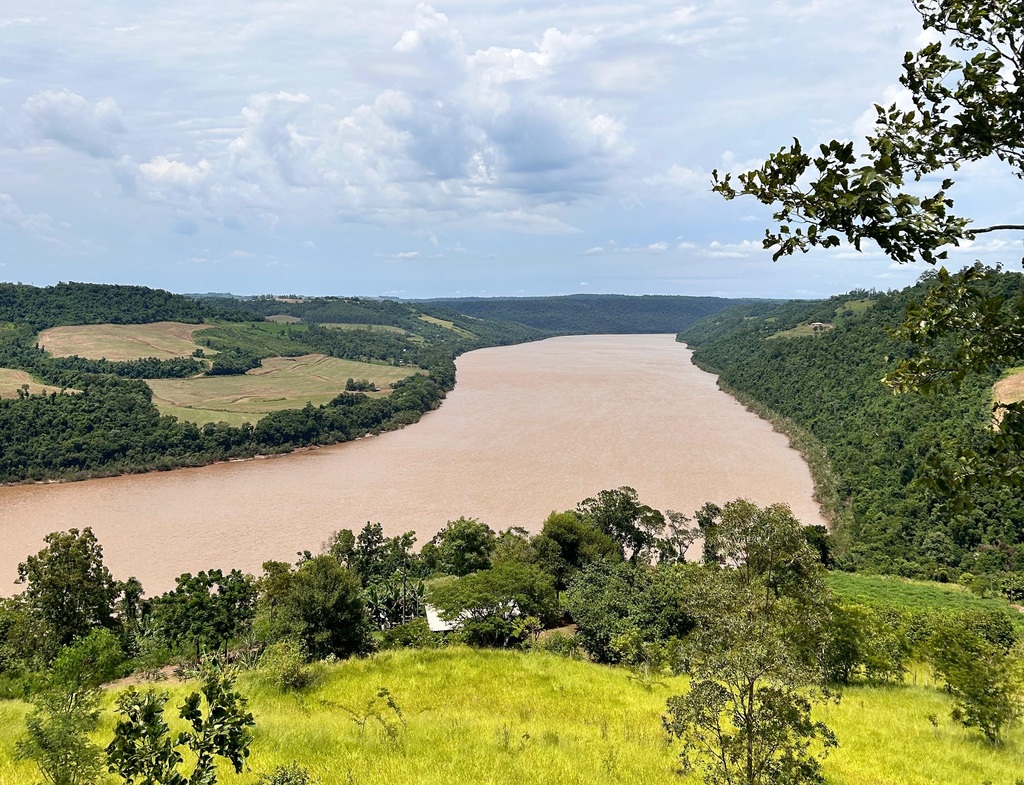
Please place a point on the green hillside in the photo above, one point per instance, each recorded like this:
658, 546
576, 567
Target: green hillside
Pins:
499, 717
883, 450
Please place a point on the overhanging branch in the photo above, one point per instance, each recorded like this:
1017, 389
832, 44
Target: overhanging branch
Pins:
997, 228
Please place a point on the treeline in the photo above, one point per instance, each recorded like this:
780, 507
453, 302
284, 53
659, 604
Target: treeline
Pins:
86, 303
591, 313
883, 448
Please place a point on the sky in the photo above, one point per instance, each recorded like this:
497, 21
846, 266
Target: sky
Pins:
458, 148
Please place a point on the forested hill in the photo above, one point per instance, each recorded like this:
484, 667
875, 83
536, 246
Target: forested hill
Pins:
820, 363
592, 313
88, 303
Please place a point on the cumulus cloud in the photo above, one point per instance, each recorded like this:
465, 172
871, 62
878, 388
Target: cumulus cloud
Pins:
12, 216
70, 120
458, 136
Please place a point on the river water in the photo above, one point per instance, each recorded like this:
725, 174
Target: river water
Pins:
527, 430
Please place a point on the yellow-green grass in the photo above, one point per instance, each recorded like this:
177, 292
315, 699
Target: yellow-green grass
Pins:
446, 324
800, 331
12, 380
855, 307
914, 595
163, 340
283, 318
380, 328
281, 383
507, 717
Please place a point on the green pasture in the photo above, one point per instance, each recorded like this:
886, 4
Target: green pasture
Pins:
854, 307
261, 339
281, 383
375, 328
447, 325
800, 331
913, 595
509, 718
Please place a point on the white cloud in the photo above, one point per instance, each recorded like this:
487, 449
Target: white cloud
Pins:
36, 224
70, 120
406, 255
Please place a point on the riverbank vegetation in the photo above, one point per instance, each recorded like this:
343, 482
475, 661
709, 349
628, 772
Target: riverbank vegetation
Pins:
597, 651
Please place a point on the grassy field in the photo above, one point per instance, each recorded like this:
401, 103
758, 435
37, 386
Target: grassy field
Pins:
509, 718
162, 340
281, 383
11, 381
799, 331
380, 328
446, 324
913, 595
283, 318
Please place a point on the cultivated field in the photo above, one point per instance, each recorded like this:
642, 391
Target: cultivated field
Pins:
11, 381
506, 718
281, 383
163, 340
283, 318
1011, 388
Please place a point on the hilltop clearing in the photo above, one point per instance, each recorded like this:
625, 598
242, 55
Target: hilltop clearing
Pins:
162, 340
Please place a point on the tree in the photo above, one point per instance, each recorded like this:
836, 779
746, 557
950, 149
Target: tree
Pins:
568, 542
144, 751
461, 547
488, 602
68, 587
983, 678
967, 106
323, 608
206, 610
751, 657
621, 516
66, 709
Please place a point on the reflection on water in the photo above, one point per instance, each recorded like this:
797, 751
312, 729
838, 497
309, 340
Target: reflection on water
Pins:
529, 429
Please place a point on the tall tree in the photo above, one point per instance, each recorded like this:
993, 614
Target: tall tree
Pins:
968, 106
620, 515
751, 657
68, 587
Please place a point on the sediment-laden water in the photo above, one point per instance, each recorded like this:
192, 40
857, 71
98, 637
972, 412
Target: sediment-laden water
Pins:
527, 430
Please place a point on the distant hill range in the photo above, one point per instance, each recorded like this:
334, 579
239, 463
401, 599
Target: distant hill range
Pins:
592, 313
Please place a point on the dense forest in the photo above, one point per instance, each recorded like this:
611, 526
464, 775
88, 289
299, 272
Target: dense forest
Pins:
820, 365
109, 424
591, 313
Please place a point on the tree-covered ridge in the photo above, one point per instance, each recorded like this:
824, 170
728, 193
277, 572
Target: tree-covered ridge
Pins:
885, 449
591, 313
89, 303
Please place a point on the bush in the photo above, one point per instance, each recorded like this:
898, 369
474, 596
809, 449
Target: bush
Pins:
412, 634
291, 774
283, 664
561, 644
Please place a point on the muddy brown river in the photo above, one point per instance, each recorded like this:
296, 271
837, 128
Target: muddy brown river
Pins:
527, 430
